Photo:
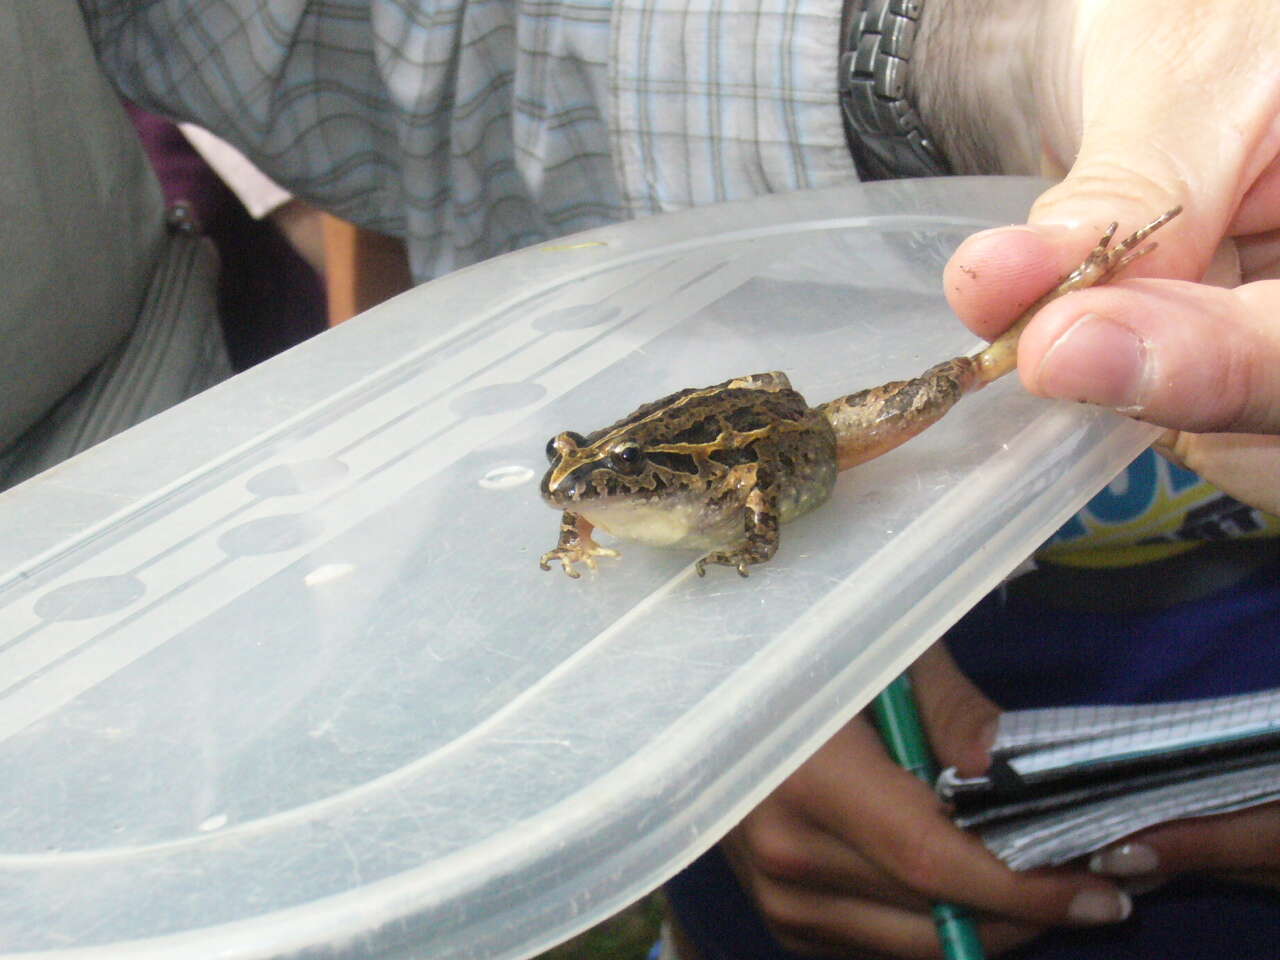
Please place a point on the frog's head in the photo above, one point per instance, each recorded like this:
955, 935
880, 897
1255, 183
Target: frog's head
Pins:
638, 488
674, 447
614, 465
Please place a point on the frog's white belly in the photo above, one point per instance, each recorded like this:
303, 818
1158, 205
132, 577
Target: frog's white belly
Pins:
689, 522
685, 524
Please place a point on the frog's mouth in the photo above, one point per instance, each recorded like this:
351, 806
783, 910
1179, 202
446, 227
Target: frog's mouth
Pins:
567, 493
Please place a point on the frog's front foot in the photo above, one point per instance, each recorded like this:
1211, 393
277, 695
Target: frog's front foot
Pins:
575, 545
584, 551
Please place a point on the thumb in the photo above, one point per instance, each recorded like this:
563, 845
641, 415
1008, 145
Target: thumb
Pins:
960, 720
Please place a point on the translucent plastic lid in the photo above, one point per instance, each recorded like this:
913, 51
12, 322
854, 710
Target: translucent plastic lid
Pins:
279, 674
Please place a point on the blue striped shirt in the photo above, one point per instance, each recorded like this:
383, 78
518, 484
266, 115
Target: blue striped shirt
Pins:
474, 128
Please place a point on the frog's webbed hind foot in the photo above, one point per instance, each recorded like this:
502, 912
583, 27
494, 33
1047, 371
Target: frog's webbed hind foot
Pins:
1105, 261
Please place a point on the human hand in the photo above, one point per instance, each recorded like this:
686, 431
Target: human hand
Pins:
846, 857
1243, 846
1159, 102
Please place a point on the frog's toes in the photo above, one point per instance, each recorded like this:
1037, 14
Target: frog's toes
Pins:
579, 553
1105, 261
727, 558
588, 556
565, 561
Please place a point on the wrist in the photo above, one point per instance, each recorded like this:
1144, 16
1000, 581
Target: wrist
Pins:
977, 81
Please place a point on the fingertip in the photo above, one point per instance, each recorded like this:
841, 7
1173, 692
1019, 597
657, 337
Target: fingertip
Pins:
996, 274
972, 755
961, 720
1126, 860
986, 736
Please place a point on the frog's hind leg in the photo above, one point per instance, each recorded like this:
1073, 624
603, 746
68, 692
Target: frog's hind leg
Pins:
872, 422
760, 528
875, 421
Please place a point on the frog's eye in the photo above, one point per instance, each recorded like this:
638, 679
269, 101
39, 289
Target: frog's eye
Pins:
626, 458
556, 443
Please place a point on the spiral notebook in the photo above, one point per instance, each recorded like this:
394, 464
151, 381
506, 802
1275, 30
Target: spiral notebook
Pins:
1065, 781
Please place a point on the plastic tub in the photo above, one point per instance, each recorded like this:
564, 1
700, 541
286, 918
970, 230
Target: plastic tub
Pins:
282, 678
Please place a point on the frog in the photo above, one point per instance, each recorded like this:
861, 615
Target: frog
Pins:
719, 469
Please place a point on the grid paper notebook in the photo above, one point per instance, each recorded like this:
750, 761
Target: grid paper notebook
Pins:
1065, 781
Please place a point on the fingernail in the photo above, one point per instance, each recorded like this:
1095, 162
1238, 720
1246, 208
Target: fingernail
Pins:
1099, 906
1098, 361
1126, 860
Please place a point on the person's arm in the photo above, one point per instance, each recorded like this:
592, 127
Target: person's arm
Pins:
301, 88
1142, 105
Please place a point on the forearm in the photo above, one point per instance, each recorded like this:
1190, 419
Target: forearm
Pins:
978, 75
